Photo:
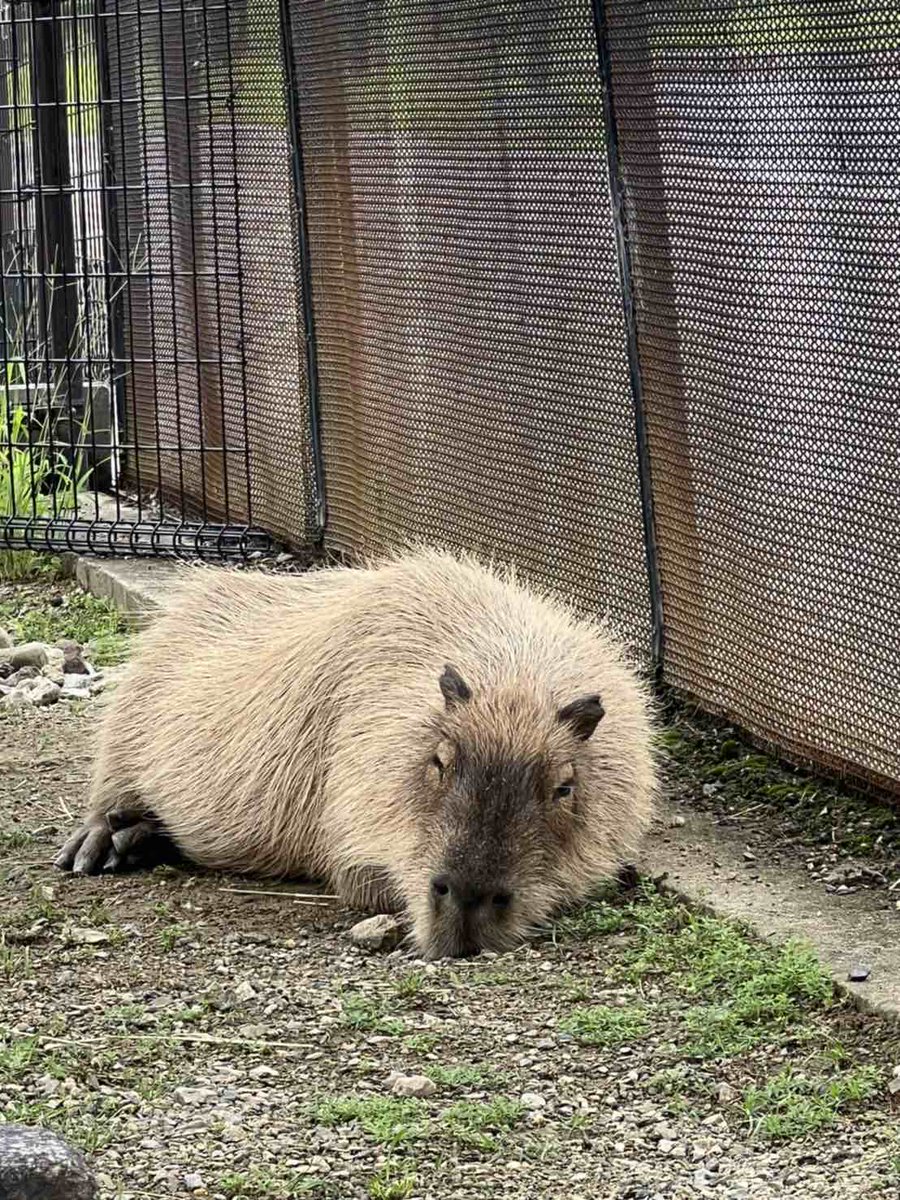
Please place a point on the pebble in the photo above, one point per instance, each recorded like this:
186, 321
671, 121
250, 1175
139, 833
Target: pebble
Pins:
377, 933
193, 1182
245, 991
193, 1096
725, 1093
533, 1101
6, 641
35, 1164
87, 937
859, 973
419, 1086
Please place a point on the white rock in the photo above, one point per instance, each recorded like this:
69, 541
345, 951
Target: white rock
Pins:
377, 933
15, 699
245, 991
30, 654
193, 1096
87, 937
665, 1146
39, 692
532, 1101
5, 640
262, 1073
413, 1085
193, 1182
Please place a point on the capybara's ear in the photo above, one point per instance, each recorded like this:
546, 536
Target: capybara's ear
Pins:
583, 716
454, 688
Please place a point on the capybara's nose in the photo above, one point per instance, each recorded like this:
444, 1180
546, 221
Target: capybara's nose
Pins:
467, 896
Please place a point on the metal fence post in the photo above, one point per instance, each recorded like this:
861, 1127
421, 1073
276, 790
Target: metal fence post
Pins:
306, 288
623, 255
55, 227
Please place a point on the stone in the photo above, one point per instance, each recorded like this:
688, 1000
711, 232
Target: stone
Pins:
533, 1101
245, 991
193, 1181
21, 675
87, 937
77, 683
30, 654
74, 664
859, 973
40, 692
6, 641
725, 1093
419, 1086
377, 933
194, 1096
35, 1164
15, 699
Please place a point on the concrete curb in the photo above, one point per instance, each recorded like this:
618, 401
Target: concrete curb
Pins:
707, 864
138, 587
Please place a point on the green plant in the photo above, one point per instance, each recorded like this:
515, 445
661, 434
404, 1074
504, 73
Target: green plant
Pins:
477, 1124
364, 1014
387, 1121
393, 1181
792, 1104
602, 1025
34, 481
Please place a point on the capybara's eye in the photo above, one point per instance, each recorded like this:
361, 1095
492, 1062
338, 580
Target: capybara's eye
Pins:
563, 792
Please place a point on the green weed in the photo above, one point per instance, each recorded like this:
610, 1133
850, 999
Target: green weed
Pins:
792, 1105
387, 1121
602, 1025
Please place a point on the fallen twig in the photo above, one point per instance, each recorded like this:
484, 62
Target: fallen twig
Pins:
204, 1039
322, 898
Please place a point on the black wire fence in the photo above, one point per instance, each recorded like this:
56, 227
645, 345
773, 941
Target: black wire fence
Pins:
605, 287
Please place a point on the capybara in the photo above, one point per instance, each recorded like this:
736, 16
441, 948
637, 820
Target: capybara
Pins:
427, 734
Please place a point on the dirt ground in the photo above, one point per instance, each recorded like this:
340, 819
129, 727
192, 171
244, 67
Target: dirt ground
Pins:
198, 1041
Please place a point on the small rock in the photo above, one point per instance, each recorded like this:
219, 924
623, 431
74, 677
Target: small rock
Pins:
725, 1093
678, 821
262, 1073
859, 973
74, 664
78, 684
15, 699
30, 654
418, 1086
35, 1164
21, 675
533, 1101
894, 1085
194, 1096
87, 937
193, 1182
245, 991
40, 692
710, 789
6, 641
665, 1145
377, 933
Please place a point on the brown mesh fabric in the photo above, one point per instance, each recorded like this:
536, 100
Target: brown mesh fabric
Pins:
474, 385
759, 146
216, 400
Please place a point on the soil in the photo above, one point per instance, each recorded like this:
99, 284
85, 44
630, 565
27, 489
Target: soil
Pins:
198, 1041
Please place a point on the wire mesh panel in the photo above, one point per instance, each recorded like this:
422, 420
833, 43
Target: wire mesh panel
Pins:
474, 384
148, 244
760, 144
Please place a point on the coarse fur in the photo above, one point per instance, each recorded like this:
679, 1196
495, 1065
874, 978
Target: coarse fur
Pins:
296, 726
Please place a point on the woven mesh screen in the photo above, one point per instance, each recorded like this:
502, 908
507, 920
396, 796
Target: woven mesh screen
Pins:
760, 144
215, 392
470, 337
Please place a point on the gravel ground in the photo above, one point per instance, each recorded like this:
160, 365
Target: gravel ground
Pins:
198, 1041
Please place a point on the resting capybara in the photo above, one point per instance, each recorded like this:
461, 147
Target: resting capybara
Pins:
427, 734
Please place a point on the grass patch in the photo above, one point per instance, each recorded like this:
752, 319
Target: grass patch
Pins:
477, 1124
602, 1025
757, 992
266, 1181
463, 1075
15, 839
598, 918
422, 1043
792, 1105
364, 1014
81, 617
393, 1181
387, 1121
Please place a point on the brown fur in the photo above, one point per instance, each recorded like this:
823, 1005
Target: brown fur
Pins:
290, 726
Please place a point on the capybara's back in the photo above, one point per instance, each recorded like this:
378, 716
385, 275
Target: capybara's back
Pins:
427, 730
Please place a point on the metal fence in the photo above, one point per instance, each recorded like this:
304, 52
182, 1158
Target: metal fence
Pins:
609, 288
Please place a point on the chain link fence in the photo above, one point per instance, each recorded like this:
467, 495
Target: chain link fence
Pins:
606, 288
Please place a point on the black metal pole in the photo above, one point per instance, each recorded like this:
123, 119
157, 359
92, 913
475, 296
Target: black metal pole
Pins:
55, 226
306, 288
623, 254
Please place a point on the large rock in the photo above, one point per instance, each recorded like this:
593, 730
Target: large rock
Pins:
35, 1164
40, 691
31, 654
